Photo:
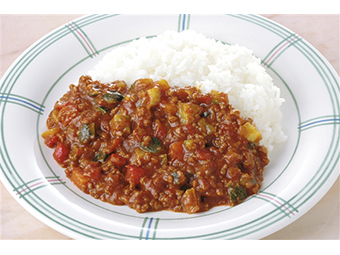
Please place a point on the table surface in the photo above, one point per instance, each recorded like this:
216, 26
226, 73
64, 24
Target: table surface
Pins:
322, 31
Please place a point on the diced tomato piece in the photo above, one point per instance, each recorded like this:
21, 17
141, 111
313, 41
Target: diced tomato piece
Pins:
204, 154
134, 173
118, 161
176, 150
60, 153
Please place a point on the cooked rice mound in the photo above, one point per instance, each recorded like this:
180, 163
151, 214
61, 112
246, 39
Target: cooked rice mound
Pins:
190, 59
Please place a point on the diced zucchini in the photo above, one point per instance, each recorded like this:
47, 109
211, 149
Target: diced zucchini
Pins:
250, 132
102, 109
87, 132
209, 129
121, 123
237, 193
137, 156
189, 145
139, 153
113, 97
187, 112
154, 95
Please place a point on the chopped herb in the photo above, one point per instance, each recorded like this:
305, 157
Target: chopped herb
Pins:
100, 157
154, 147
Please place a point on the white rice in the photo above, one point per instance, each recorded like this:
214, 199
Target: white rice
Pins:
189, 58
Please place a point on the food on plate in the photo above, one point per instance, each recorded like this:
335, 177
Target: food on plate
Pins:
156, 147
189, 58
178, 122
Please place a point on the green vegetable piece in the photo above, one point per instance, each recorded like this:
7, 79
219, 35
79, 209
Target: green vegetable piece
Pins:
154, 147
155, 96
189, 144
113, 97
100, 157
187, 112
251, 145
86, 133
122, 123
176, 178
238, 193
102, 109
209, 129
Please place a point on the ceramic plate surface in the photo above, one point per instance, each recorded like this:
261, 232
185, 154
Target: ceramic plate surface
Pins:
301, 170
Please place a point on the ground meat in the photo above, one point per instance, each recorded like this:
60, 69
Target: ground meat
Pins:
154, 147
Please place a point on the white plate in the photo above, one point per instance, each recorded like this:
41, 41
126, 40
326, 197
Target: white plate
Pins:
301, 170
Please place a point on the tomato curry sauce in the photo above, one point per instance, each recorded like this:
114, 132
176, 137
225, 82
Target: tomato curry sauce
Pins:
154, 147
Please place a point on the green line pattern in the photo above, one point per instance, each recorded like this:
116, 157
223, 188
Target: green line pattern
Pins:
83, 39
22, 101
279, 49
284, 206
319, 121
36, 184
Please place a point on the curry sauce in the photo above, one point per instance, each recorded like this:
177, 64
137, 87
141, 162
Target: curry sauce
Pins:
155, 147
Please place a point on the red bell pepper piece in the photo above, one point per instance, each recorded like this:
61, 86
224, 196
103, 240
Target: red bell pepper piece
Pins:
60, 153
